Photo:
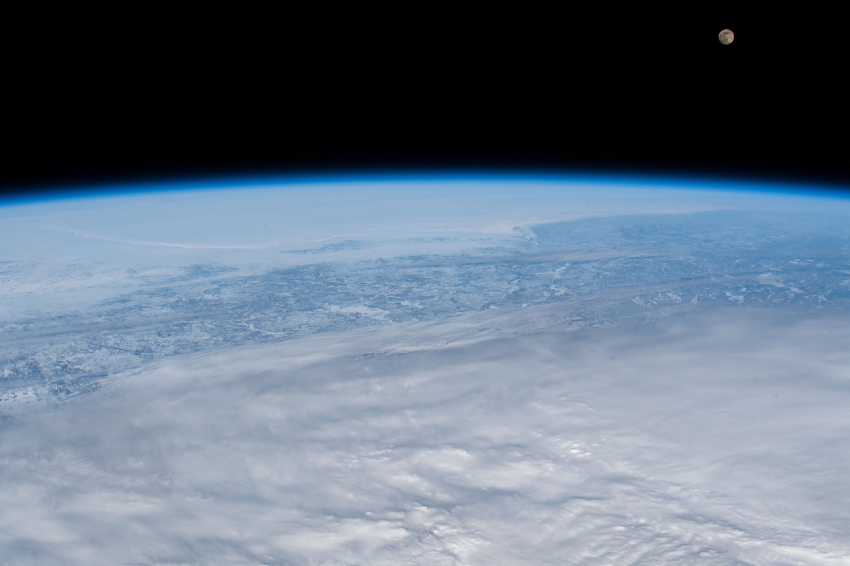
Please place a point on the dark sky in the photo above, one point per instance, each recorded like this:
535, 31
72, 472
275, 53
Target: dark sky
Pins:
110, 93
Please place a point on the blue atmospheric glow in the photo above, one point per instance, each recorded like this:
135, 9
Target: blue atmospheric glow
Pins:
636, 180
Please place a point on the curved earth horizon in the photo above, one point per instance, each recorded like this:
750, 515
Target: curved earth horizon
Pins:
427, 371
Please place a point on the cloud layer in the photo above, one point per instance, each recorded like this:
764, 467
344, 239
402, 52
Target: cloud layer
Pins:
497, 437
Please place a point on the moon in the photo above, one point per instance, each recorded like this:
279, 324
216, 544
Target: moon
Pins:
726, 36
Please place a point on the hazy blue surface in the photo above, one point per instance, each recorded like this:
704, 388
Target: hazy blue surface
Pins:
437, 371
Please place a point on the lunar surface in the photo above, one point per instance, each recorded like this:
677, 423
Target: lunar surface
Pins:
426, 371
726, 36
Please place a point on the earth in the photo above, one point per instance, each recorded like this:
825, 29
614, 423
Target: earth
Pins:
464, 370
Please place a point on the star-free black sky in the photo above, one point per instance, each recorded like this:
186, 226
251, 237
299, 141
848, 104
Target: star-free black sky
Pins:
112, 93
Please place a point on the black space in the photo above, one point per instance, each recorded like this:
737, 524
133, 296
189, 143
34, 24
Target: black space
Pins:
110, 93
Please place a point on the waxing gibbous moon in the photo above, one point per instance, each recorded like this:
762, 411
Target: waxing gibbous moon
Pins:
726, 36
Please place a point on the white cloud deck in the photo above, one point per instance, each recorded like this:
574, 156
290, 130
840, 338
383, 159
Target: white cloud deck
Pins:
713, 437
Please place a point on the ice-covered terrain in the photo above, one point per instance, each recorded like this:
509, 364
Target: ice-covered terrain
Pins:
426, 372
